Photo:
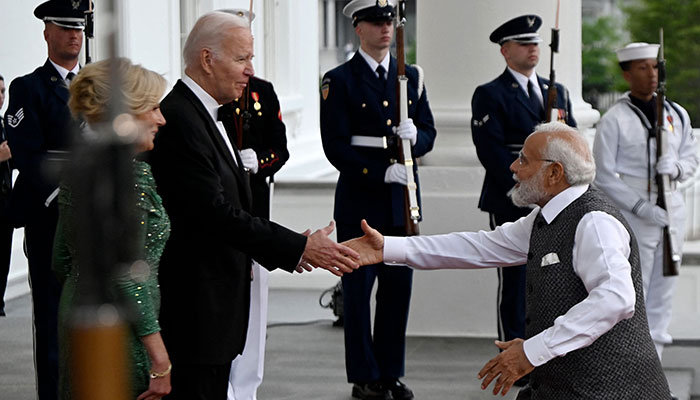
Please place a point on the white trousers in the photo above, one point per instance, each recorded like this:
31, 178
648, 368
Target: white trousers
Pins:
247, 369
658, 289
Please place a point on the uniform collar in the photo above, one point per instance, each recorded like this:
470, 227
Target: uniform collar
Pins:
522, 79
209, 103
373, 64
63, 71
561, 201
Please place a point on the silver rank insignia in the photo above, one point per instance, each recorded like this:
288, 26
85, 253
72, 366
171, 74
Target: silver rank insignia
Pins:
14, 120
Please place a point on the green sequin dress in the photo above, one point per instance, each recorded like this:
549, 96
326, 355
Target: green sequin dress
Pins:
141, 293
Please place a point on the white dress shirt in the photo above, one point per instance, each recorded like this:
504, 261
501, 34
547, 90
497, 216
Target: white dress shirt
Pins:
600, 259
212, 107
64, 71
522, 80
373, 64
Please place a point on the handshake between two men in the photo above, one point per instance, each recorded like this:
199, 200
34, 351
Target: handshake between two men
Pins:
509, 366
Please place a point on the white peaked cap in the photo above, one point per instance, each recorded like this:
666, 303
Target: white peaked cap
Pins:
637, 51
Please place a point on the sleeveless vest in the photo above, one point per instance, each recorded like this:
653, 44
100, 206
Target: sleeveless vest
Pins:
620, 364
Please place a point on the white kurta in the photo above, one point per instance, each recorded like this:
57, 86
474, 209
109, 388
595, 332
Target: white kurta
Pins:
600, 259
620, 151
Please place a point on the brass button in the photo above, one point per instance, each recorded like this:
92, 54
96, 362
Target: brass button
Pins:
385, 103
410, 102
272, 155
364, 105
238, 111
388, 122
259, 114
365, 171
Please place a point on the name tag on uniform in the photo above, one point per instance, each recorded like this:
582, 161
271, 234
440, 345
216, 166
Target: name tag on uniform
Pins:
549, 259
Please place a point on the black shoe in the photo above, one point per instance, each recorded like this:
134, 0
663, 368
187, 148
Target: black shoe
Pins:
371, 391
399, 390
674, 397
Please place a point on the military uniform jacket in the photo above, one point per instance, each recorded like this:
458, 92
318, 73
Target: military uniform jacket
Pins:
353, 102
265, 135
205, 266
620, 148
5, 176
502, 119
37, 123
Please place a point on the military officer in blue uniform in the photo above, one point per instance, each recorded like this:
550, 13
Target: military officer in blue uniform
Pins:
358, 121
504, 112
6, 225
37, 121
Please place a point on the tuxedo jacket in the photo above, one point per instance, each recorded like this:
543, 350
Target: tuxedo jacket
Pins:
205, 267
502, 118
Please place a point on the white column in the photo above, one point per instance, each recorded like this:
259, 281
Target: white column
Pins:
330, 24
453, 48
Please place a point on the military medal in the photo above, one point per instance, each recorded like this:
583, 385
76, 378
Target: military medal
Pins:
256, 105
670, 122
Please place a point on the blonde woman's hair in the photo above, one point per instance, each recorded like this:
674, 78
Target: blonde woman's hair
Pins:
90, 90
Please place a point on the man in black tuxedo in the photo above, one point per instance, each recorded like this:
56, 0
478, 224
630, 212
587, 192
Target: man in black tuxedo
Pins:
205, 267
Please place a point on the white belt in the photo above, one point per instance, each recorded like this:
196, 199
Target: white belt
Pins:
645, 184
369, 141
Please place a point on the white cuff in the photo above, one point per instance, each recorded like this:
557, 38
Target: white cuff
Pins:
394, 250
536, 351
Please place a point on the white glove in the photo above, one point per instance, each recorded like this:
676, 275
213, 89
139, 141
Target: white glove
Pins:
250, 160
653, 213
396, 173
406, 130
667, 166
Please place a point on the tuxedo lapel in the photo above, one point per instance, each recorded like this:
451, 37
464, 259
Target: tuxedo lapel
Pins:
214, 133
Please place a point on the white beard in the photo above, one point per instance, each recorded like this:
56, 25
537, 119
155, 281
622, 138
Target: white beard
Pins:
528, 192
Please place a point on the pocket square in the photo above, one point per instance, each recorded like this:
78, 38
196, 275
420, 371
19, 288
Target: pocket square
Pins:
549, 259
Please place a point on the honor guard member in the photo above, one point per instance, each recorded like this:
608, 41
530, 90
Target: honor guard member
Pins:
359, 132
625, 154
36, 122
263, 152
6, 225
504, 112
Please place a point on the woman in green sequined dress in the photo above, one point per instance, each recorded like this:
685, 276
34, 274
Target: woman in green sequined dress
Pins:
149, 365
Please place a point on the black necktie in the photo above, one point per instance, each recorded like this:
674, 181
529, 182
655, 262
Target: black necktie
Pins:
534, 100
70, 77
382, 75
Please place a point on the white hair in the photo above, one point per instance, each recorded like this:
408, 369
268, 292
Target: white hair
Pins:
571, 150
207, 33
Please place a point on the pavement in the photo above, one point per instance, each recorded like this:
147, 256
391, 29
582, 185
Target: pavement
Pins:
305, 360
305, 353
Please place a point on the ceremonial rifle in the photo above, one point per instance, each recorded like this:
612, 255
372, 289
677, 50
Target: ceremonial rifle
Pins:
671, 257
551, 113
411, 209
89, 31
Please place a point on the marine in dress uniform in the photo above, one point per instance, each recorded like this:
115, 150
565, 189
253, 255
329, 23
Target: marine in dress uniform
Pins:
264, 152
504, 112
625, 154
358, 119
37, 121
